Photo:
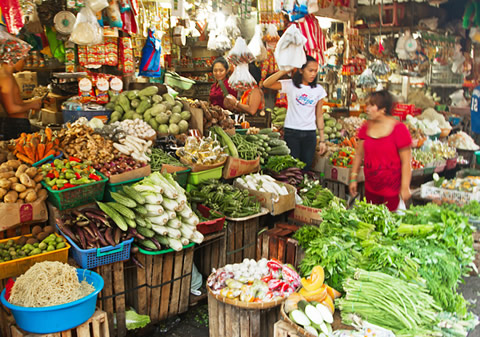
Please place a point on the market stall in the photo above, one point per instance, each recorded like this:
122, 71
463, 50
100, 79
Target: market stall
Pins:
136, 197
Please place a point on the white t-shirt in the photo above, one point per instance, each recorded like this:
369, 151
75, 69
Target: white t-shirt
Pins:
301, 105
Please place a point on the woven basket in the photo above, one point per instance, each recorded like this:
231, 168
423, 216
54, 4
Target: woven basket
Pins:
297, 327
247, 305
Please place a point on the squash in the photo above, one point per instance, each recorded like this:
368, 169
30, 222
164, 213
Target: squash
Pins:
315, 280
317, 295
334, 294
328, 302
291, 303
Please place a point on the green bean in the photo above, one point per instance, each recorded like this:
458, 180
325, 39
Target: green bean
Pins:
158, 157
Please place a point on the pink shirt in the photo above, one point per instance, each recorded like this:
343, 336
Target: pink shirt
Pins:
382, 164
216, 94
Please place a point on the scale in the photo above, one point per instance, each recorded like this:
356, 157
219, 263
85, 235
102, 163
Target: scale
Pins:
64, 22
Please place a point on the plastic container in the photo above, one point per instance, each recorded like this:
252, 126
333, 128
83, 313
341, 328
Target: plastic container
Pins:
241, 131
196, 178
73, 115
48, 159
180, 173
160, 252
77, 196
94, 257
477, 156
177, 81
115, 187
58, 317
17, 267
210, 226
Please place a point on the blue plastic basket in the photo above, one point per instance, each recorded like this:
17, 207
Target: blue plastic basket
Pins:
94, 257
58, 317
48, 160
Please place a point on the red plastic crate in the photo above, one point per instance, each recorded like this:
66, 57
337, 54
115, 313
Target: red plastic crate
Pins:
210, 226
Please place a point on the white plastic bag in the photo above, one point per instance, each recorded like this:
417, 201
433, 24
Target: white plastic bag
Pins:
289, 52
240, 53
97, 5
256, 45
241, 79
86, 30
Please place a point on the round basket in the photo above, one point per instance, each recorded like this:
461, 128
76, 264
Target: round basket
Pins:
297, 327
246, 305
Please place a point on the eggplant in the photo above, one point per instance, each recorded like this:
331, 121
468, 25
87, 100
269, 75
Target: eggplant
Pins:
117, 236
95, 216
99, 236
82, 223
156, 243
81, 237
109, 236
137, 263
136, 234
65, 230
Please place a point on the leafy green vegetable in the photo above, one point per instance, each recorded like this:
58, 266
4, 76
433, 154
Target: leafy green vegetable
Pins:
280, 163
136, 321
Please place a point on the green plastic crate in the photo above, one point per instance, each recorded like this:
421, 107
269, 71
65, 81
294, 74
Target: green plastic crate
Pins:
196, 178
181, 177
117, 187
77, 196
160, 252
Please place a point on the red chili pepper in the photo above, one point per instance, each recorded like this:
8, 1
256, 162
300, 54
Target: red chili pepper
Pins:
68, 185
52, 164
267, 278
50, 175
94, 177
274, 265
78, 175
284, 287
274, 284
289, 274
74, 159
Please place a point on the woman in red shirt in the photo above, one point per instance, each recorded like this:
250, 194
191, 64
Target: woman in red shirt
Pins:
385, 148
220, 72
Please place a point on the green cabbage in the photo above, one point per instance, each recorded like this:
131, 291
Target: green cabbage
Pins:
135, 321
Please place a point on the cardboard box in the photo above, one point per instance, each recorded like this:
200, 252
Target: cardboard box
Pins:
27, 81
308, 215
268, 200
341, 174
53, 102
50, 117
134, 174
200, 167
236, 167
319, 163
16, 214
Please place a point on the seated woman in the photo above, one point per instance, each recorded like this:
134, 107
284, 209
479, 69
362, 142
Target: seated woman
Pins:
220, 89
252, 100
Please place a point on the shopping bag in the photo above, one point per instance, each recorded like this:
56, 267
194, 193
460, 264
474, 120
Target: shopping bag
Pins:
150, 64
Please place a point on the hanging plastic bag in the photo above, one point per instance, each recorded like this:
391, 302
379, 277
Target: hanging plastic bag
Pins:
151, 54
240, 53
241, 79
271, 34
86, 30
13, 15
289, 52
256, 45
113, 14
12, 49
367, 79
97, 5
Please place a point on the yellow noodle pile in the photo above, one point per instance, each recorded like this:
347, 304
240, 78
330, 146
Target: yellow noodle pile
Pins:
47, 284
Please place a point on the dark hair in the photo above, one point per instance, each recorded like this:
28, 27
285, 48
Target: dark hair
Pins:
255, 71
221, 60
298, 77
383, 99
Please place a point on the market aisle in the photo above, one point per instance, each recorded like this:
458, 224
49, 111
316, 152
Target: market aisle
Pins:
471, 292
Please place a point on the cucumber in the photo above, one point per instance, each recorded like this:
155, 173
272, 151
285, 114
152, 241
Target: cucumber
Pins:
279, 151
311, 330
148, 243
265, 131
274, 135
299, 317
148, 233
313, 314
263, 137
322, 327
116, 217
276, 142
131, 223
326, 314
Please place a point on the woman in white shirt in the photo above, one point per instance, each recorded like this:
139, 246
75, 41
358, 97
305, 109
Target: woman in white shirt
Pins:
304, 113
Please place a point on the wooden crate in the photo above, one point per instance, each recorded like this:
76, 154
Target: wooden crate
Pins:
241, 239
283, 329
112, 297
210, 253
162, 288
225, 320
96, 326
277, 243
341, 190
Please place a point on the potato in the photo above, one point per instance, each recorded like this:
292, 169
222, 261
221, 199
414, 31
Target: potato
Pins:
10, 197
19, 201
26, 180
38, 178
31, 196
18, 187
14, 164
31, 172
13, 180
42, 194
5, 183
7, 175
21, 169
24, 193
3, 192
38, 187
5, 168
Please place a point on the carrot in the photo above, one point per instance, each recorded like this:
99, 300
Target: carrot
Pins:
48, 147
25, 158
51, 152
19, 148
29, 152
354, 142
41, 150
56, 174
48, 133
348, 143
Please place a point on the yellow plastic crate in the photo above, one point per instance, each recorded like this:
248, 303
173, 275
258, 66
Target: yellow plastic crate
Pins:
17, 267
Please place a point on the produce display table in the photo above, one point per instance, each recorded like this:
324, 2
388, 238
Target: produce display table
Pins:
247, 320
